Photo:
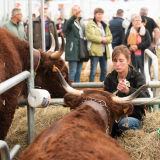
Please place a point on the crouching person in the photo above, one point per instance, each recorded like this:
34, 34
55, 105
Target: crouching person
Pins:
123, 81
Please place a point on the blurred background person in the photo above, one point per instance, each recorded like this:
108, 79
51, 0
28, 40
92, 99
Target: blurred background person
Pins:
98, 36
26, 26
59, 27
150, 25
33, 16
116, 27
14, 25
50, 27
73, 30
137, 40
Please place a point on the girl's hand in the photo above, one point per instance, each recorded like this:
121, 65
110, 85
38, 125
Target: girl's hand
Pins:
122, 87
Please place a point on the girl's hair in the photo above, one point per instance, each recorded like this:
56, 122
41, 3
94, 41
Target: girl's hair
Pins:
121, 49
135, 16
71, 12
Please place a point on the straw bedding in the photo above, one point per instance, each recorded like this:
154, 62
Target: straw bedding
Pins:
140, 145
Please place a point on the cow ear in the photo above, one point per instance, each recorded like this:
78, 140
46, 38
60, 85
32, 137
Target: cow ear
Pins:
72, 101
121, 111
125, 110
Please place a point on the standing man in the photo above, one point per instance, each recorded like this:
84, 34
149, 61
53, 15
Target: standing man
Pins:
117, 29
14, 25
50, 27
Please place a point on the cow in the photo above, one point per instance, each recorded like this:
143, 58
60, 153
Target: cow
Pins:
81, 134
15, 58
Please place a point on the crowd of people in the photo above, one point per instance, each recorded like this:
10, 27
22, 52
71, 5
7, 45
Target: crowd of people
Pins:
128, 40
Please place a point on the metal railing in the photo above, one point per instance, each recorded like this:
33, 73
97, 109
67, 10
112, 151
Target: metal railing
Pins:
148, 54
4, 151
60, 101
4, 86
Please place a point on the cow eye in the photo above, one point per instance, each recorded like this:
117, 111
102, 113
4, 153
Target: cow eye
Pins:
64, 75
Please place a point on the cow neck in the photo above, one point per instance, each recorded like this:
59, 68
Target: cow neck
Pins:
101, 107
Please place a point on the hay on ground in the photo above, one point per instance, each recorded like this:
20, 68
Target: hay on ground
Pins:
143, 144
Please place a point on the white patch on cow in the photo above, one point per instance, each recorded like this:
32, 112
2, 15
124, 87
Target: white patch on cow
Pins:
4, 65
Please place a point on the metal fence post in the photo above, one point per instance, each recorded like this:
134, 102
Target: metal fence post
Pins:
4, 151
30, 110
147, 54
4, 20
43, 26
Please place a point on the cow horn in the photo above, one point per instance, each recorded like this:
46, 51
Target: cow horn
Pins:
57, 54
68, 88
128, 98
53, 44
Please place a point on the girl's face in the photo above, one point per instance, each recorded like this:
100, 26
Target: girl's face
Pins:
75, 9
120, 63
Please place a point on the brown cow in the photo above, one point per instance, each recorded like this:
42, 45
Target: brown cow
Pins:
15, 58
81, 134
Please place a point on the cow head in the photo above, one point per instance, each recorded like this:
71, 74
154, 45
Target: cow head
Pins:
116, 107
46, 76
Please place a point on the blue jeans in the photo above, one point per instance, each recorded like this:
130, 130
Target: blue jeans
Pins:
139, 64
134, 123
118, 128
75, 68
103, 66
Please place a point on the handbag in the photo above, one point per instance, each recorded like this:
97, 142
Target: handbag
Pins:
83, 52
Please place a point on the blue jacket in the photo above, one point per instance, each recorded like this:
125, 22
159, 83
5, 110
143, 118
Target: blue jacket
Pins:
116, 30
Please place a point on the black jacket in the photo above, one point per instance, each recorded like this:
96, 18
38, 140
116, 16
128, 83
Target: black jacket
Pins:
57, 26
146, 42
136, 80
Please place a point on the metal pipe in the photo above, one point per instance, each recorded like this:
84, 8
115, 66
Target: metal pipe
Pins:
151, 84
14, 151
30, 110
8, 9
88, 85
81, 6
60, 101
43, 26
4, 151
147, 54
4, 11
4, 86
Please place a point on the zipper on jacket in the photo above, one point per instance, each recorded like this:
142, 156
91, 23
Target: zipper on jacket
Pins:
71, 47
